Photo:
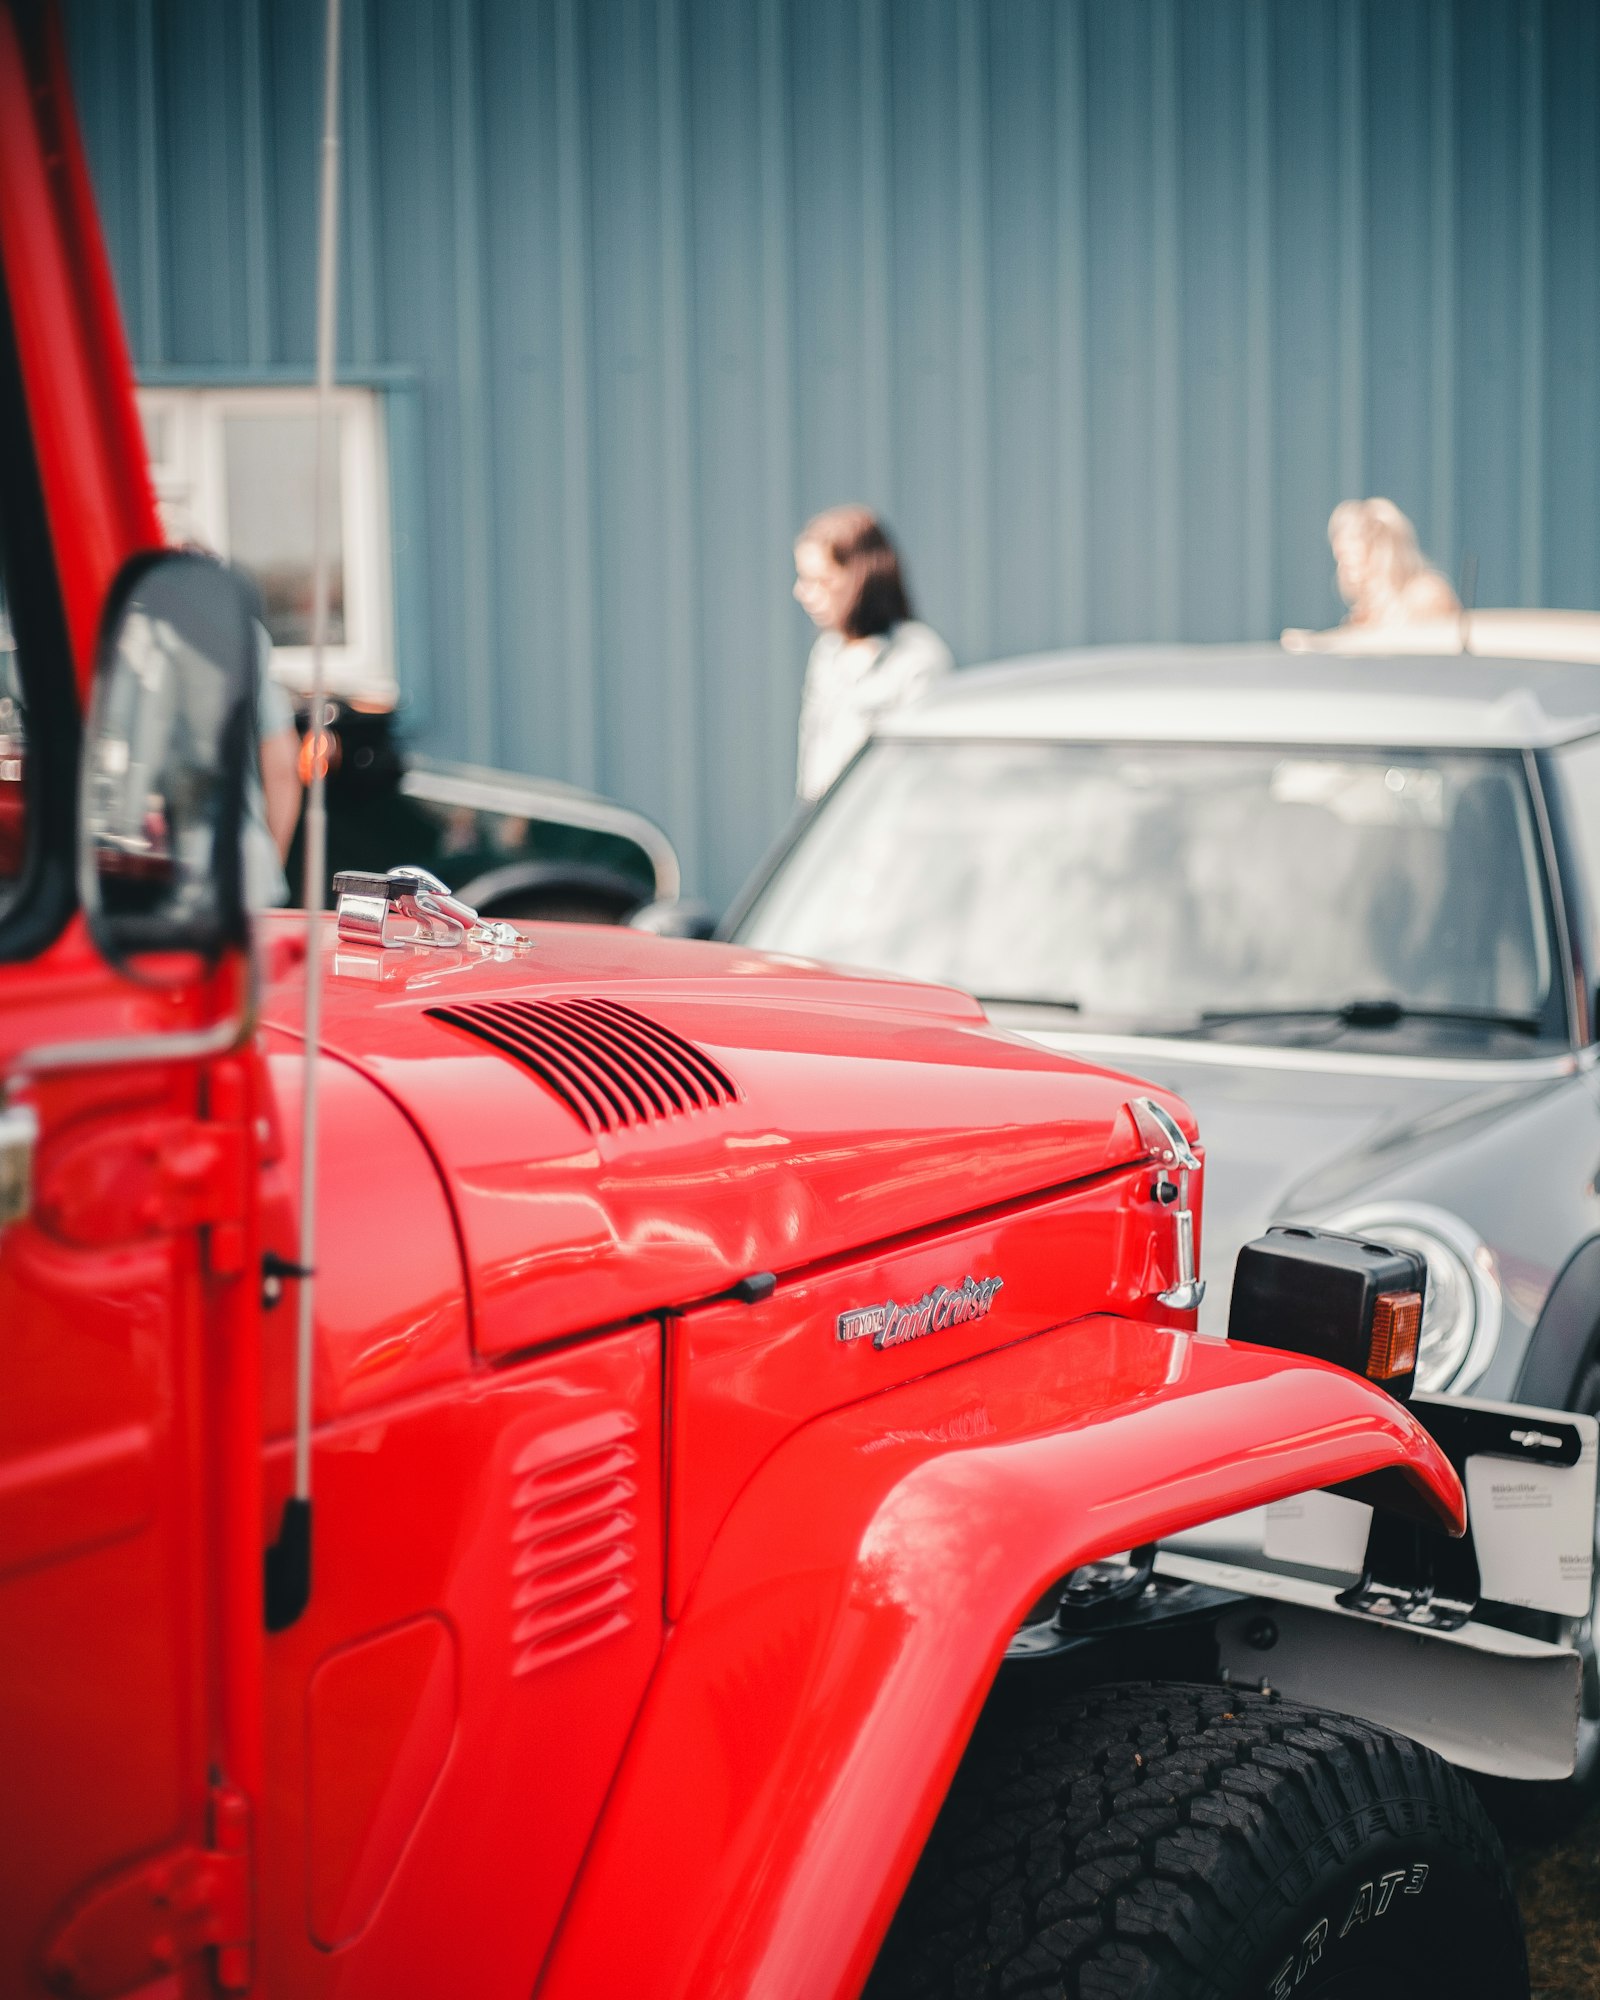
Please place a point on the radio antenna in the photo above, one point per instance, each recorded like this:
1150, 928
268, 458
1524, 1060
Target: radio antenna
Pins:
288, 1568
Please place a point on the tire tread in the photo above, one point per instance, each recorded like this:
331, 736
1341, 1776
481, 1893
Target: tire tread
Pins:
1121, 1846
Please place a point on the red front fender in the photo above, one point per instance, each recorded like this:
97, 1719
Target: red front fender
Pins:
811, 1705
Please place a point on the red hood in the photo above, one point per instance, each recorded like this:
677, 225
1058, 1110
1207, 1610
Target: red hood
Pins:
866, 1108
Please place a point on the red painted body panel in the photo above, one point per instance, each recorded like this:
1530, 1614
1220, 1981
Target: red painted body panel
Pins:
391, 1305
869, 1108
744, 1377
380, 1722
524, 1514
115, 1599
812, 1704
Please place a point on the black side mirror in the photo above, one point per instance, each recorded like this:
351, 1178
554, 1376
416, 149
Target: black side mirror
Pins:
166, 765
675, 917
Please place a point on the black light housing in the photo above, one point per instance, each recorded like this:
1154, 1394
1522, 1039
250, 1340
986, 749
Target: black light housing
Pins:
1340, 1298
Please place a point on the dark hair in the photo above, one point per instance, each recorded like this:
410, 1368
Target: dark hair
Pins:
860, 545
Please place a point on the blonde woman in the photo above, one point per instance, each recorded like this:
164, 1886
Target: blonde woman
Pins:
1387, 583
1383, 575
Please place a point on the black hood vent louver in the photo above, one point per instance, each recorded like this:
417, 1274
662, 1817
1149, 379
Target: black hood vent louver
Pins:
612, 1067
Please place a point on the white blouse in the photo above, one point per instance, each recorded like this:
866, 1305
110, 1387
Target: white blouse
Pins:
850, 683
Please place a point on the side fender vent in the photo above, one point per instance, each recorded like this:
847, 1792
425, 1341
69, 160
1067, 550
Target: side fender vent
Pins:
574, 1521
611, 1067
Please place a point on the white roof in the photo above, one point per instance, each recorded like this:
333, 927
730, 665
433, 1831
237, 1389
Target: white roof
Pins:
1263, 694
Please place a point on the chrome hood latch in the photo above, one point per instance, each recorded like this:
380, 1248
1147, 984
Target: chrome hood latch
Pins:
1166, 1145
410, 906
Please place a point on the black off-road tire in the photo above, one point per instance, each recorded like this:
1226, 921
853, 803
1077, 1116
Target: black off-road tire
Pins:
1164, 1842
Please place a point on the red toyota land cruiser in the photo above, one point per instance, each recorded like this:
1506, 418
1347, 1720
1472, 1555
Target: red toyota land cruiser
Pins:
714, 1361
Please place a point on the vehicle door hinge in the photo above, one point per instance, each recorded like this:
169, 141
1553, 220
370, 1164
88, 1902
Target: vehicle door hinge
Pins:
145, 1922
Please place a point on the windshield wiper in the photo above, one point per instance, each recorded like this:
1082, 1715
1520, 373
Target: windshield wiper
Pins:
1372, 1014
1028, 1000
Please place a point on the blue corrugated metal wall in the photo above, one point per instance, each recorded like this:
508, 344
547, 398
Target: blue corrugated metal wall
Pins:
1103, 302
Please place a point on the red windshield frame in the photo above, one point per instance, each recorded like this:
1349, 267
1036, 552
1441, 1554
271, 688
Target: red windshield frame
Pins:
70, 342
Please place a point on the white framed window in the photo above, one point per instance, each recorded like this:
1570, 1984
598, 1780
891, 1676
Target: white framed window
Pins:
234, 468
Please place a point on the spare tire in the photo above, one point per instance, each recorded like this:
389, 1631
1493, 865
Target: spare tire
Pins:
1163, 1842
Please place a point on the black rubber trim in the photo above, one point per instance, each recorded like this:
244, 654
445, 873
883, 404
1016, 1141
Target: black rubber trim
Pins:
1576, 892
287, 1567
1566, 1342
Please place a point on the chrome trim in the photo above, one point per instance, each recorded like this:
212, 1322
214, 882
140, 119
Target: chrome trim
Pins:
892, 1324
1252, 1055
1188, 1292
1162, 1133
543, 798
119, 1051
1167, 1145
1368, 1218
410, 906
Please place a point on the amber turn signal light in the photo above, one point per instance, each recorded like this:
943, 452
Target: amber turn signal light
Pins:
1341, 1298
1396, 1323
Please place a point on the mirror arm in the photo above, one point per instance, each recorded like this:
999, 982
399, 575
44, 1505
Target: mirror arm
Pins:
119, 1052
122, 1051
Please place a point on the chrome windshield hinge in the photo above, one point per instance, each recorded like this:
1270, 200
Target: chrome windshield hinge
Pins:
410, 906
1166, 1145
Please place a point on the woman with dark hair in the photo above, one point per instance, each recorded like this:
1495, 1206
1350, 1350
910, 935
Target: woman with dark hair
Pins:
871, 654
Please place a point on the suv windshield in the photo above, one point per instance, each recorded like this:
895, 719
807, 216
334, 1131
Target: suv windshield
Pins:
1161, 886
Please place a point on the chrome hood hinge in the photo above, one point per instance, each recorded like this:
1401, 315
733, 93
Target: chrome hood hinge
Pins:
1166, 1145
